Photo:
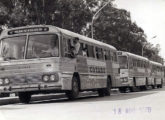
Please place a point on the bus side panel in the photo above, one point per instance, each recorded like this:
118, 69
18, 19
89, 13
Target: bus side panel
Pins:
140, 76
82, 69
67, 68
116, 75
97, 77
110, 72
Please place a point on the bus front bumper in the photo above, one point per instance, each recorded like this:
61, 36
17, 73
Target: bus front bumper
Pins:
33, 87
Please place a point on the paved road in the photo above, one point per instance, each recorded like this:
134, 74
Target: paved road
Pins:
146, 105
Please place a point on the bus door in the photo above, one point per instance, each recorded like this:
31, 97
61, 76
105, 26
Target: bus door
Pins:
109, 66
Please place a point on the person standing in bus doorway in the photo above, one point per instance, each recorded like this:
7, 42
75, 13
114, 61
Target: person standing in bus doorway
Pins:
5, 51
76, 45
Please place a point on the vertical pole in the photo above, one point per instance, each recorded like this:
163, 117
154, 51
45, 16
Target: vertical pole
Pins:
96, 14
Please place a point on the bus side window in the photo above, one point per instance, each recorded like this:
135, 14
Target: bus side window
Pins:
140, 63
115, 56
137, 63
97, 54
65, 46
145, 64
134, 62
109, 55
80, 49
105, 54
112, 57
90, 51
130, 63
101, 54
84, 49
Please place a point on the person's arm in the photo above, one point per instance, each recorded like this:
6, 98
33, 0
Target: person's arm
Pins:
77, 47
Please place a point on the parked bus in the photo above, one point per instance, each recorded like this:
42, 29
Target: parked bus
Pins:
28, 67
157, 74
134, 71
137, 72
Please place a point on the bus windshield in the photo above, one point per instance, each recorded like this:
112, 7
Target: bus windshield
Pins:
13, 48
38, 46
42, 46
123, 62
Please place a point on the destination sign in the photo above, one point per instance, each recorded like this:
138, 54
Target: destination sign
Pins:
28, 30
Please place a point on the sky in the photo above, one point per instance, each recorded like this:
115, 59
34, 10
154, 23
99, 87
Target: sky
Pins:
150, 16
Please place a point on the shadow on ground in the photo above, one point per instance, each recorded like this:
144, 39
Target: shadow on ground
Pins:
84, 97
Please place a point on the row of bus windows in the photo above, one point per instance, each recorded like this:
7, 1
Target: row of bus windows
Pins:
91, 51
157, 68
144, 64
132, 63
140, 63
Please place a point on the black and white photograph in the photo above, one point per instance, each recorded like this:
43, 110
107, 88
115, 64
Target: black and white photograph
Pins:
82, 59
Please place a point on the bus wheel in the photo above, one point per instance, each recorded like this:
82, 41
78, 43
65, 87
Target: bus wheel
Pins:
75, 89
101, 92
154, 86
107, 90
161, 85
146, 84
134, 87
122, 90
128, 89
24, 97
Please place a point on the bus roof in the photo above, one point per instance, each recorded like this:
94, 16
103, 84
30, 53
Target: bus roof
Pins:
87, 39
51, 28
156, 63
133, 55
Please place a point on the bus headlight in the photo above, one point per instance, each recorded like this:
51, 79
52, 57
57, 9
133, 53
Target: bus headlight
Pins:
6, 81
45, 78
124, 79
52, 77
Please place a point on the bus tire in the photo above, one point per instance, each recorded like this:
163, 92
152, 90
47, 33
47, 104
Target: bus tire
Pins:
161, 85
146, 84
73, 94
134, 87
154, 86
122, 89
101, 92
24, 97
107, 90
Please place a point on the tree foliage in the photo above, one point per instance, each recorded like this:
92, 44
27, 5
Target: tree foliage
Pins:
111, 25
114, 26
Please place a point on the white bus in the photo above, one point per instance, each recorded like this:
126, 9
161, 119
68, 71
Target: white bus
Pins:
134, 71
137, 72
156, 75
27, 67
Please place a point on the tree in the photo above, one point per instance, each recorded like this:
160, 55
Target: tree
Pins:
112, 25
72, 15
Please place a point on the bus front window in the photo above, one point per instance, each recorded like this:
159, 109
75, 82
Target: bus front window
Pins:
42, 46
13, 48
123, 62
